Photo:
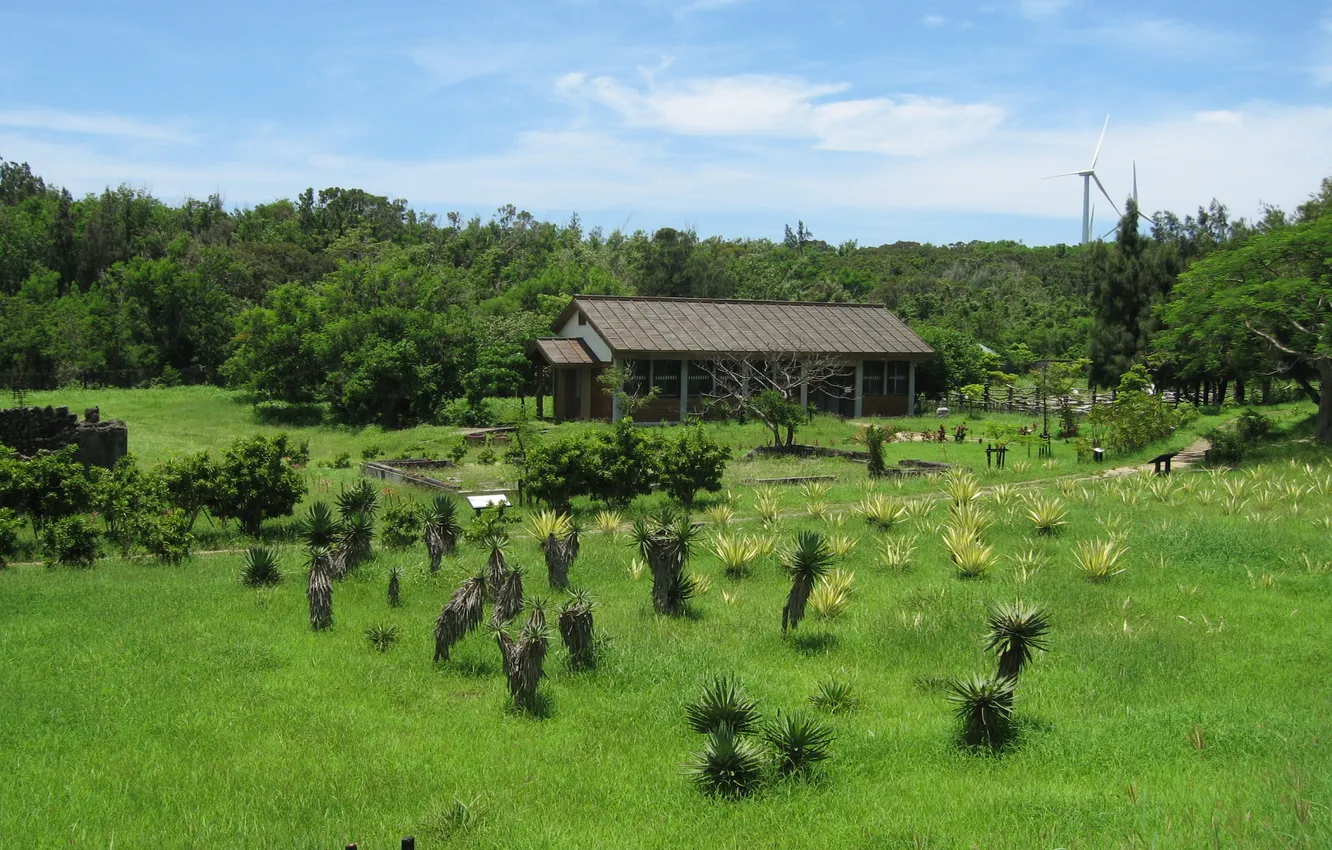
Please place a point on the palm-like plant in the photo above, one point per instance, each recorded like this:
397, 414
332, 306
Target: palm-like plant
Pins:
360, 498
356, 534
1048, 515
723, 704
576, 629
439, 520
806, 563
800, 742
497, 565
985, 707
555, 532
463, 613
665, 542
508, 597
524, 658
319, 592
832, 595
1016, 630
835, 697
261, 568
318, 529
736, 552
1098, 559
728, 765
395, 587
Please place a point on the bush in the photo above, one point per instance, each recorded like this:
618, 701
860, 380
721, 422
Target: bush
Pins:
402, 525
189, 484
9, 536
557, 471
625, 463
486, 456
457, 451
167, 536
257, 481
261, 568
693, 461
371, 452
342, 461
72, 541
1231, 444
874, 439
50, 486
1136, 419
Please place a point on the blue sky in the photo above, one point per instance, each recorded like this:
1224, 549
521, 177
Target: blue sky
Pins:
881, 121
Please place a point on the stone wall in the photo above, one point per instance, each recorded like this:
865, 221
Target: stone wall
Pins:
29, 430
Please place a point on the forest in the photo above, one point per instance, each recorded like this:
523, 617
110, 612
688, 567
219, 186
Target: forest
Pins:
361, 305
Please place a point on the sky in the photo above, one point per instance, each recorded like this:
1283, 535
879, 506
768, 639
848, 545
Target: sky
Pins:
873, 121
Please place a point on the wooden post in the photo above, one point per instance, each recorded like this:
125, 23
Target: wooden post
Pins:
408, 843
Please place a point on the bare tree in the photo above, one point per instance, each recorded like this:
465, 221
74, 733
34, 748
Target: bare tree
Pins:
768, 386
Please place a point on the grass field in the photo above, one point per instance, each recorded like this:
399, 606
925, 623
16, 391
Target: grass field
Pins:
1184, 702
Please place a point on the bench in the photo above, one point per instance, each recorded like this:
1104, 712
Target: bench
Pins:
1163, 459
488, 500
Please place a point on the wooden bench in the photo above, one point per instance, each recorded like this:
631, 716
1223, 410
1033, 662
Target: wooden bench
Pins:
1163, 459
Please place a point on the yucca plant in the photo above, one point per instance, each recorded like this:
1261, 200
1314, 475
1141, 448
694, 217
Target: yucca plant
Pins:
356, 534
1026, 564
881, 511
608, 523
1051, 465
1098, 559
382, 636
1002, 495
971, 558
918, 509
799, 742
815, 491
818, 510
842, 545
805, 564
896, 554
496, 545
1020, 467
1048, 515
460, 615
985, 707
576, 629
524, 658
701, 582
318, 529
439, 519
319, 592
962, 488
728, 765
1016, 630
736, 552
1234, 505
555, 532
395, 587
261, 568
666, 541
832, 595
836, 519
636, 569
360, 498
508, 597
835, 697
768, 509
723, 704
971, 518
1067, 487
720, 516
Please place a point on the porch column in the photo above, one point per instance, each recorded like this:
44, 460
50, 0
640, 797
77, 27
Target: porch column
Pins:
860, 386
911, 388
804, 387
616, 364
684, 389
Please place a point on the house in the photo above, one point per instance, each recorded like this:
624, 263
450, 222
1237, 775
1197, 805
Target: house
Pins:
847, 359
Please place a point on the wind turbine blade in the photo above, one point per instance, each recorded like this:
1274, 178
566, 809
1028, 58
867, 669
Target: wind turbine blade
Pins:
1135, 182
1065, 174
1097, 155
1107, 194
1110, 232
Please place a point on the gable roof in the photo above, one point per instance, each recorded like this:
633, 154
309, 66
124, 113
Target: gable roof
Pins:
702, 326
565, 352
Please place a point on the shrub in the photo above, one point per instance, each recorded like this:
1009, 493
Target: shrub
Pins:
260, 568
457, 451
71, 541
696, 462
9, 536
835, 697
167, 536
985, 708
728, 765
50, 486
624, 463
874, 438
486, 457
371, 452
1137, 418
723, 705
382, 636
341, 461
189, 483
257, 480
558, 470
401, 525
798, 741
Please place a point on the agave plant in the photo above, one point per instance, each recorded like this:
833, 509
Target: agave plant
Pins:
1048, 515
508, 597
608, 523
319, 592
576, 629
382, 636
971, 558
318, 529
818, 510
1020, 467
395, 587
881, 511
842, 545
1026, 564
985, 707
555, 532
496, 545
918, 509
1016, 629
665, 541
962, 488
720, 516
832, 595
1067, 487
1098, 559
736, 552
460, 615
723, 705
356, 534
815, 491
768, 508
799, 742
1003, 495
728, 765
360, 498
806, 563
524, 658
896, 554
440, 521
835, 697
261, 568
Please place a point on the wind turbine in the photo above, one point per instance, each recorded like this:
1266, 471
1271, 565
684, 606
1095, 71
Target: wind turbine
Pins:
1088, 174
1142, 215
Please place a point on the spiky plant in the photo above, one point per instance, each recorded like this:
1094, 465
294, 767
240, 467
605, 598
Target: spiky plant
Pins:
896, 554
985, 707
609, 524
545, 524
962, 488
1016, 630
524, 658
319, 592
508, 597
842, 545
971, 518
881, 511
439, 519
575, 622
798, 741
720, 516
918, 509
1026, 564
723, 704
360, 498
832, 595
818, 510
1098, 559
318, 529
1067, 487
1002, 495
460, 615
835, 697
736, 552
1048, 515
356, 534
874, 439
665, 542
395, 587
815, 491
382, 636
497, 564
728, 765
806, 563
1020, 467
261, 568
972, 559
768, 508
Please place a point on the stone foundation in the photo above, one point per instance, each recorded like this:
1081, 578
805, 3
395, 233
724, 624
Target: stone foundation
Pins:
29, 430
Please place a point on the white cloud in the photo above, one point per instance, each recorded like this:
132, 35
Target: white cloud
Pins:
1162, 36
1039, 10
450, 64
933, 20
92, 124
790, 107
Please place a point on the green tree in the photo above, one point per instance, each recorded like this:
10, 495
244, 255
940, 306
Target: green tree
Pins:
257, 481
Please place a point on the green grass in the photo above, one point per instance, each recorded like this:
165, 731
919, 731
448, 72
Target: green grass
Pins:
171, 706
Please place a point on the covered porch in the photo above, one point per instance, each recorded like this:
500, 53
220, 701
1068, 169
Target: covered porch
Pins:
570, 371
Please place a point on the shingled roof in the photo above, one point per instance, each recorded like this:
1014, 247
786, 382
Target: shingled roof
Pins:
565, 352
707, 326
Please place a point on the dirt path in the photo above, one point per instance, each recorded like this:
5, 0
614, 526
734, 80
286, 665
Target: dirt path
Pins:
1187, 457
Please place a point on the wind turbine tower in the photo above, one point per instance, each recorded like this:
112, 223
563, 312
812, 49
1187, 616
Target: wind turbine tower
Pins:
1088, 175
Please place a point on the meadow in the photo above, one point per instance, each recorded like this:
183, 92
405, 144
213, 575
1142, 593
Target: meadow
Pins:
1182, 703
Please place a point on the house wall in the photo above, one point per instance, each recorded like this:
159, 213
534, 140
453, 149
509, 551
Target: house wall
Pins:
883, 405
573, 330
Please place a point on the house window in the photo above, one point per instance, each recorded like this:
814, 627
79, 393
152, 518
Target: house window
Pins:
582, 320
700, 379
871, 382
639, 374
898, 378
666, 378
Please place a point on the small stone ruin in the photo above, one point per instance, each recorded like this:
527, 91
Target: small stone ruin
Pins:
29, 430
